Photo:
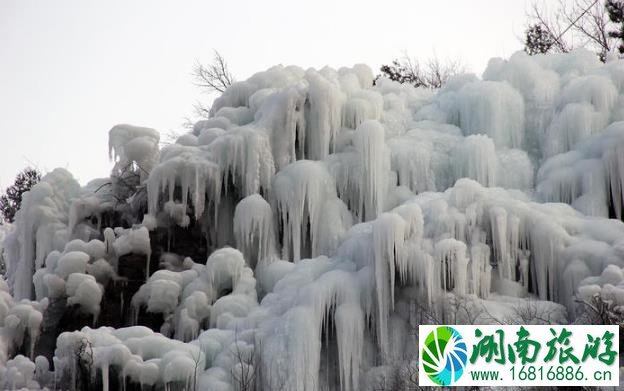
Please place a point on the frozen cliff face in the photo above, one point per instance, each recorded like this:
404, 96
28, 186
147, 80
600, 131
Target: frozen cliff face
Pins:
316, 219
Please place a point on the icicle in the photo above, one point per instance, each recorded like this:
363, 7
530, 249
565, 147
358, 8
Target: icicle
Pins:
575, 122
494, 108
301, 191
480, 270
193, 170
584, 176
575, 272
363, 105
133, 145
369, 141
388, 240
350, 336
475, 158
105, 380
245, 155
413, 163
452, 263
412, 214
135, 241
547, 240
323, 116
498, 218
40, 227
284, 115
614, 164
515, 170
109, 239
253, 228
524, 272
426, 277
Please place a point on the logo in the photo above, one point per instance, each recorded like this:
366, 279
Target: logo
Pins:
518, 355
444, 355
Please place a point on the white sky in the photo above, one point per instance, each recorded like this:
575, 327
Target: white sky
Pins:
70, 70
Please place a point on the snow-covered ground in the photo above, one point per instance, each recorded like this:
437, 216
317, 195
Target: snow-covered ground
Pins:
297, 238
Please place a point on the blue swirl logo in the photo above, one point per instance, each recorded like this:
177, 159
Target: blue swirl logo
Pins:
444, 356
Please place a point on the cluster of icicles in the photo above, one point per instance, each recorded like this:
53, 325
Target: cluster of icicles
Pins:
340, 211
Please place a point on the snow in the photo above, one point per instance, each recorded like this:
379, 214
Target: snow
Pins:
71, 262
356, 210
253, 228
194, 296
82, 289
18, 320
133, 145
83, 208
18, 373
136, 241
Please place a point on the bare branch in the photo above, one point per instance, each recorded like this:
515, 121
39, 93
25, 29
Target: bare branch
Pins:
201, 110
215, 76
433, 73
553, 26
531, 312
243, 374
102, 186
574, 23
601, 310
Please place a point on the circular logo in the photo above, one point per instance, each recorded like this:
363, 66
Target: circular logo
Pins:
444, 355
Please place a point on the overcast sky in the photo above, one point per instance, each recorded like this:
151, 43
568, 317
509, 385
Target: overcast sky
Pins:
70, 70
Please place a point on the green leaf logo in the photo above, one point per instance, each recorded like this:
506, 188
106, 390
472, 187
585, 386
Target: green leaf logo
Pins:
444, 355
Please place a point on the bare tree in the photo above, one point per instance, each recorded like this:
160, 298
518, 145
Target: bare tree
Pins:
243, 373
531, 312
385, 383
572, 24
215, 76
465, 309
211, 78
125, 183
83, 364
599, 310
437, 73
408, 374
197, 359
432, 73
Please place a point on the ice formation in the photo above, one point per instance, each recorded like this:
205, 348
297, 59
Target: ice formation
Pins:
253, 229
297, 237
589, 177
40, 228
133, 148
